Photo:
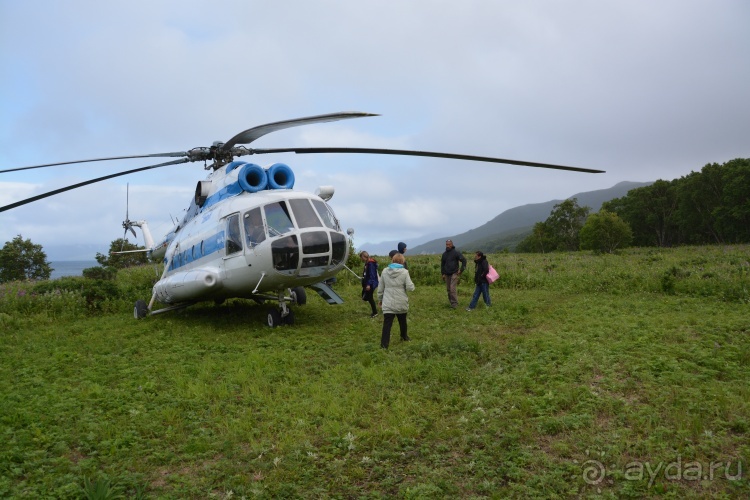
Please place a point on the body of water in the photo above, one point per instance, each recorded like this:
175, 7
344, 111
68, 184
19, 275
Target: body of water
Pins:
70, 267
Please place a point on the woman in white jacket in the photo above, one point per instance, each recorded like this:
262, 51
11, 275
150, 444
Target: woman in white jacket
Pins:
394, 283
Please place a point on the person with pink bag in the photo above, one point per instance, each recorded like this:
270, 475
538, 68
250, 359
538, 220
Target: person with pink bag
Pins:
481, 270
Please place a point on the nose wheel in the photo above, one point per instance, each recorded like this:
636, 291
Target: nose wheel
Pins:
283, 315
141, 309
276, 318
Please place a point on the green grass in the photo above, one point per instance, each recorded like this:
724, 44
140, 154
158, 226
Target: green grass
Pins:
634, 364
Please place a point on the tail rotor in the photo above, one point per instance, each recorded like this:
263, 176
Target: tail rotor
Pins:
127, 223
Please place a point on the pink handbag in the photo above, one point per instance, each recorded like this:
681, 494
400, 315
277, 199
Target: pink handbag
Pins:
492, 276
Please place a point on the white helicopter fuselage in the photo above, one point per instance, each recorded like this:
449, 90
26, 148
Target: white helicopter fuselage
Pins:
239, 241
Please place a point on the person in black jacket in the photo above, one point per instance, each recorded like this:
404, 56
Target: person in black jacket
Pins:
482, 267
450, 271
369, 281
402, 250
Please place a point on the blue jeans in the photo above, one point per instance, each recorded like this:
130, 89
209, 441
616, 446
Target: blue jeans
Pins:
484, 290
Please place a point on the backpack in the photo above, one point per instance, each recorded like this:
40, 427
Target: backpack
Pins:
492, 276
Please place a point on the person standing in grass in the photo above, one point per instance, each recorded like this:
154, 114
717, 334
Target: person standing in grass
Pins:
369, 280
401, 248
482, 267
395, 282
451, 272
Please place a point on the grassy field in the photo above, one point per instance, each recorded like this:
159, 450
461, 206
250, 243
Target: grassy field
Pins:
590, 376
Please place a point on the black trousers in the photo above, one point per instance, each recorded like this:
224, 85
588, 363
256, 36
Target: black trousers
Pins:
367, 297
385, 339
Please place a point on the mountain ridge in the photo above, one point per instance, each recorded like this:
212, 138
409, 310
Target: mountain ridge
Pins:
515, 223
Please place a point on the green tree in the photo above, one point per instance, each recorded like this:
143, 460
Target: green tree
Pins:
715, 203
539, 241
605, 232
119, 260
734, 214
651, 213
565, 222
352, 261
700, 196
23, 260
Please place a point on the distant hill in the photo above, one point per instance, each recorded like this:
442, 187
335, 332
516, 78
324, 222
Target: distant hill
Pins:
384, 247
510, 227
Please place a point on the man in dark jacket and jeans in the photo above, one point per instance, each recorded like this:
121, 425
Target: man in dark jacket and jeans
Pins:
450, 270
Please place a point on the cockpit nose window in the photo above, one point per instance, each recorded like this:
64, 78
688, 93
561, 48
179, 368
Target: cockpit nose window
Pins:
326, 214
304, 213
277, 218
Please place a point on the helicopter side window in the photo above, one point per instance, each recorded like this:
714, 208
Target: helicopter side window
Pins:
255, 232
278, 219
304, 213
326, 214
233, 239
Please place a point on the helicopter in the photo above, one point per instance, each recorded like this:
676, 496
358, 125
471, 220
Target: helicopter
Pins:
247, 233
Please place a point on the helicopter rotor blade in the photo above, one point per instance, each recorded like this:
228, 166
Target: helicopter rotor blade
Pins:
431, 154
254, 133
156, 155
86, 183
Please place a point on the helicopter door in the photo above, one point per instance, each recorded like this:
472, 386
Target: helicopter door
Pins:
234, 257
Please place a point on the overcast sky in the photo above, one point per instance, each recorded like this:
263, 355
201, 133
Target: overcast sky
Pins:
644, 89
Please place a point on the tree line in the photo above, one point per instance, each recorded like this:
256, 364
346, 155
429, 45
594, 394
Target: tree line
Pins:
707, 207
21, 260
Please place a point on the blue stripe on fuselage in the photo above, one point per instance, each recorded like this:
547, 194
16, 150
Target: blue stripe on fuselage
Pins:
211, 245
226, 192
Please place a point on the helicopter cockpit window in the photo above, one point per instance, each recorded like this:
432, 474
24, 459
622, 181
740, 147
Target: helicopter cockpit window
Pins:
304, 213
255, 233
326, 214
277, 217
233, 239
339, 248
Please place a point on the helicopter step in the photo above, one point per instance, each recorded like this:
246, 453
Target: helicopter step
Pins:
327, 293
141, 309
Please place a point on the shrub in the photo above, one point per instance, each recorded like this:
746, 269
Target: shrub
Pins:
95, 292
100, 273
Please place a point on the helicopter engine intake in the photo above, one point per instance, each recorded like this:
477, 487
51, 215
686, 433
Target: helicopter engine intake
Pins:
252, 178
280, 176
242, 176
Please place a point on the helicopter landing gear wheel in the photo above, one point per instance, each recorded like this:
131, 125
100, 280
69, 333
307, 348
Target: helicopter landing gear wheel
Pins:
141, 309
274, 317
289, 318
299, 295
